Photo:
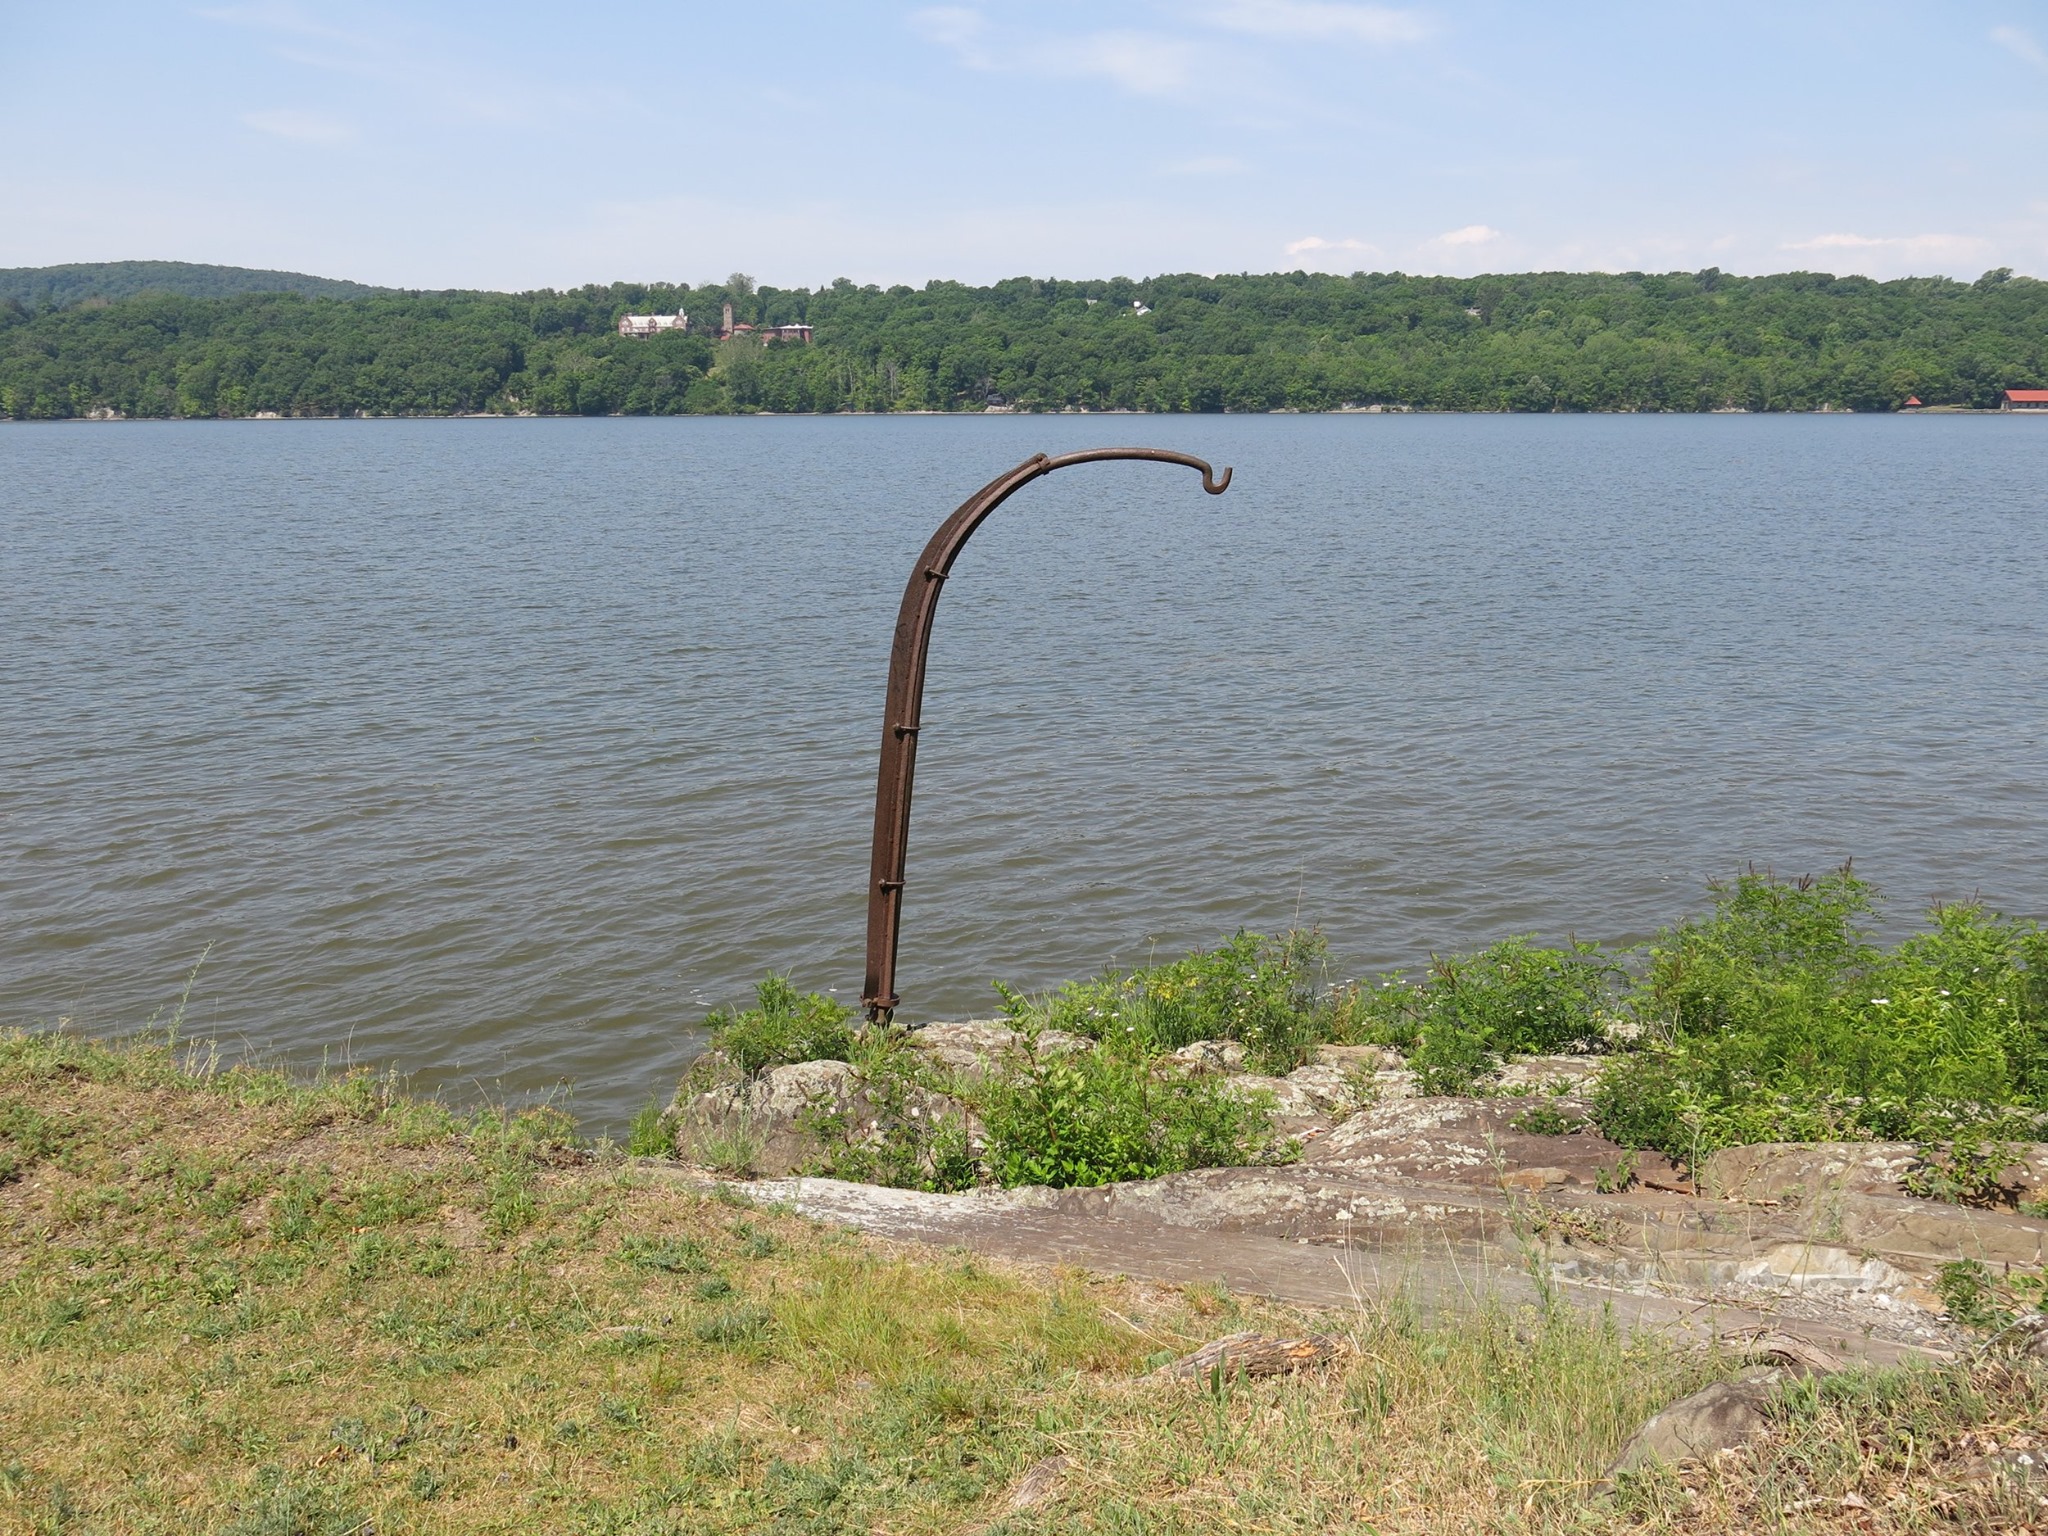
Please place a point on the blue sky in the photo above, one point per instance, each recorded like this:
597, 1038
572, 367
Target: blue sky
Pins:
517, 145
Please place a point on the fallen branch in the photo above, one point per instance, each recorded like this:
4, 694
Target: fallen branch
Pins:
1253, 1354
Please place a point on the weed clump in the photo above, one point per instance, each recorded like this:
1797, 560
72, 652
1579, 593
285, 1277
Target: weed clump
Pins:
1266, 994
1472, 1012
783, 1026
904, 1130
673, 1255
648, 1134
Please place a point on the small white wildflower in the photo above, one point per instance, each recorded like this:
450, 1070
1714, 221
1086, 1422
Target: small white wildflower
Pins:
1881, 1001
1944, 991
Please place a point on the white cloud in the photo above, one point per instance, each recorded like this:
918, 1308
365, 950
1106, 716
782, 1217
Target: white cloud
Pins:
957, 28
1911, 247
1471, 234
1318, 243
304, 127
1375, 24
2020, 45
431, 71
288, 19
1143, 63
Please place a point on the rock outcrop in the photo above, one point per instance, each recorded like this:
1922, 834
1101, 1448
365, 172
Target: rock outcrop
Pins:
1515, 1180
793, 1119
978, 1047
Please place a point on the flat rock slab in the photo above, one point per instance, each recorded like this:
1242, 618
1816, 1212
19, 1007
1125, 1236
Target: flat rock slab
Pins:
1478, 1141
1036, 1226
1813, 1172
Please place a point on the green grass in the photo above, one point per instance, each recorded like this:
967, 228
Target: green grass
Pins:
234, 1303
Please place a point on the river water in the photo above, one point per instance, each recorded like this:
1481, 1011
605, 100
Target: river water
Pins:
498, 752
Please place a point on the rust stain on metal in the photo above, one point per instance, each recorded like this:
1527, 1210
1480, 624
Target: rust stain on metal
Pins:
900, 718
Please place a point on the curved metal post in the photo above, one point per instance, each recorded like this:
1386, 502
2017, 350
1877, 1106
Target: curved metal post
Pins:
905, 707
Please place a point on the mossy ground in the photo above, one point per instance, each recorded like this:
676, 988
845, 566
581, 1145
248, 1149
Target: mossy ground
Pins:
230, 1303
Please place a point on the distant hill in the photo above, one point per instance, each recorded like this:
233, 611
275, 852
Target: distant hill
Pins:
57, 287
1278, 341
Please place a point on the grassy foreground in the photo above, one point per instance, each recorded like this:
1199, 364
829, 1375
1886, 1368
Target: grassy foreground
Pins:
230, 1303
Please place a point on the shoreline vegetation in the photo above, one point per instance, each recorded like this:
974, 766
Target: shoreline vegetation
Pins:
1770, 1018
154, 344
235, 1301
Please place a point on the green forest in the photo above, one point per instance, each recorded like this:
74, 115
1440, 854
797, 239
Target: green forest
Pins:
1552, 341
84, 281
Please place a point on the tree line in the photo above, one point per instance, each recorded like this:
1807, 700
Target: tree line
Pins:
89, 281
1284, 341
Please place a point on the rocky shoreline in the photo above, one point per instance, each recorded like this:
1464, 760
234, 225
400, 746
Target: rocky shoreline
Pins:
1514, 1184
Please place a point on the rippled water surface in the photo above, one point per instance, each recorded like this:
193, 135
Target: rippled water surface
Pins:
499, 751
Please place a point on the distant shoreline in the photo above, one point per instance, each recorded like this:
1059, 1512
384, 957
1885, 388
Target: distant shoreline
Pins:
1532, 343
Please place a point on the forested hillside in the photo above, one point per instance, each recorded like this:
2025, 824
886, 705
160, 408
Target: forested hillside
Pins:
1531, 342
52, 287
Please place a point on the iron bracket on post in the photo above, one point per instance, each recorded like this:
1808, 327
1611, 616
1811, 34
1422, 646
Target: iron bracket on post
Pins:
904, 710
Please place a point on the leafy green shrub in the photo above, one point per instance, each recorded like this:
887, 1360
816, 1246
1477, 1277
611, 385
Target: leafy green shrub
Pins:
1781, 1021
1771, 950
1260, 992
1472, 1011
783, 1026
1100, 1116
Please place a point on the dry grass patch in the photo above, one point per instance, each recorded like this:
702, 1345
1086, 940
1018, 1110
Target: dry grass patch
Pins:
234, 1304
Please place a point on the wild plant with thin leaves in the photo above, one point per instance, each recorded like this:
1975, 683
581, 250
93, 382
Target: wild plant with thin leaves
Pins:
1471, 1013
1264, 993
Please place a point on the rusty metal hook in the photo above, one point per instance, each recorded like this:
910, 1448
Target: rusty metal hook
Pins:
902, 716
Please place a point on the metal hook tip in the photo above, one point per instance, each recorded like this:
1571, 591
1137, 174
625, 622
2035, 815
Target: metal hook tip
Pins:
1216, 487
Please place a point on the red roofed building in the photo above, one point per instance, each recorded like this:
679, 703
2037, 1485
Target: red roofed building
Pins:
2026, 400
